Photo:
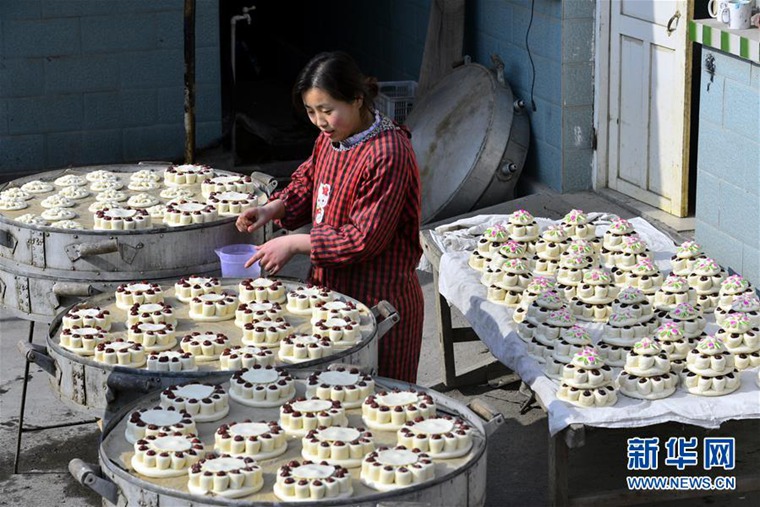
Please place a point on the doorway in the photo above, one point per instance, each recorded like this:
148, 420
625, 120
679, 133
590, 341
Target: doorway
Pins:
646, 102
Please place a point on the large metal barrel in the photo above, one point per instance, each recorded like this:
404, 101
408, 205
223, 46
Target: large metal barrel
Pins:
471, 138
44, 269
102, 389
459, 482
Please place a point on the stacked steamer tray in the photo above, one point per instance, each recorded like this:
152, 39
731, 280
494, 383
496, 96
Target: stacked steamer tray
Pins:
507, 273
688, 318
687, 253
737, 295
508, 286
631, 319
522, 227
710, 369
676, 346
546, 334
587, 381
706, 278
537, 312
111, 348
570, 273
594, 295
398, 443
578, 227
613, 240
488, 245
741, 339
647, 372
538, 285
554, 241
571, 341
674, 290
73, 233
645, 276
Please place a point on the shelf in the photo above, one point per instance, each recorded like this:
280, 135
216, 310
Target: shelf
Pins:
742, 43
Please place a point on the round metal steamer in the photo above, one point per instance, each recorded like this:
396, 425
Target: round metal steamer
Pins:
460, 482
44, 269
471, 139
101, 390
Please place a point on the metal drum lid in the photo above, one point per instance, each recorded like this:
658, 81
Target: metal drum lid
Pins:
460, 130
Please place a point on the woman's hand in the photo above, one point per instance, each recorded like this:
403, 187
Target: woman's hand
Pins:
252, 219
277, 252
258, 216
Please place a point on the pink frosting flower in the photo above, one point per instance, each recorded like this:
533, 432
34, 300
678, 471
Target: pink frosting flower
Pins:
521, 216
669, 330
621, 226
575, 216
690, 247
588, 356
735, 283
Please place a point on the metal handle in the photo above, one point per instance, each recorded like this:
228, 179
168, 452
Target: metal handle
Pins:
38, 355
74, 289
268, 182
493, 418
76, 251
8, 240
498, 68
119, 382
389, 314
673, 19
508, 168
91, 476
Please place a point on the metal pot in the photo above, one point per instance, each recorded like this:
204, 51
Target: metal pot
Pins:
42, 269
471, 138
461, 485
101, 390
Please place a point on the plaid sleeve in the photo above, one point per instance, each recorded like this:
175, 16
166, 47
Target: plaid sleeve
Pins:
374, 215
297, 196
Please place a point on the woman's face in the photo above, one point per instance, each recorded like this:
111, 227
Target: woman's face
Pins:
335, 118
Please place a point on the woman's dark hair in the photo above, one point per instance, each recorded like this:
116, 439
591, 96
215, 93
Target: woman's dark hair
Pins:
337, 74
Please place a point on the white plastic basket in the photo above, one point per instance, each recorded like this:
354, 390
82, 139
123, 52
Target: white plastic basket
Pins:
396, 98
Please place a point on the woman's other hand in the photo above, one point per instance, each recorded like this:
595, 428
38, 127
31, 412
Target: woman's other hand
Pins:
277, 252
258, 216
251, 219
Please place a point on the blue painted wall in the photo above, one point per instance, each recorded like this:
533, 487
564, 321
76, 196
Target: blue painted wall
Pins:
101, 81
98, 81
728, 164
561, 46
389, 44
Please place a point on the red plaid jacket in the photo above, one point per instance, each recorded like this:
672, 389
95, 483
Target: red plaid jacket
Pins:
364, 206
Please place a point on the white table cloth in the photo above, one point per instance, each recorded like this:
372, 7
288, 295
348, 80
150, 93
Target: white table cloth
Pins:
460, 285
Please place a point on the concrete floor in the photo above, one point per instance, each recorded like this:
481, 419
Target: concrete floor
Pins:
517, 452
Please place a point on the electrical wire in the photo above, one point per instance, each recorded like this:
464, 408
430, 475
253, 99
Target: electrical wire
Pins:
530, 57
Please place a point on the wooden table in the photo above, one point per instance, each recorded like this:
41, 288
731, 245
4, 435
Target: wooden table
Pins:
574, 436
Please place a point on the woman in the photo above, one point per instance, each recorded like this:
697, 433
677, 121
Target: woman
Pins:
360, 190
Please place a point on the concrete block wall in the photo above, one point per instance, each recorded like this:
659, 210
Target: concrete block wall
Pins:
390, 39
728, 164
96, 81
561, 46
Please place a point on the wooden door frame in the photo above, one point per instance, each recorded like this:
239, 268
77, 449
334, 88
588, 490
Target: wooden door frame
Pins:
600, 167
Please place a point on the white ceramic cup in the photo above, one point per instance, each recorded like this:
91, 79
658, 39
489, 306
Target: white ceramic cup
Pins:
714, 7
736, 14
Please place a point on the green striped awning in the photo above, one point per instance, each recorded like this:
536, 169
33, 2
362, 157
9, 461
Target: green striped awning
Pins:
742, 43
